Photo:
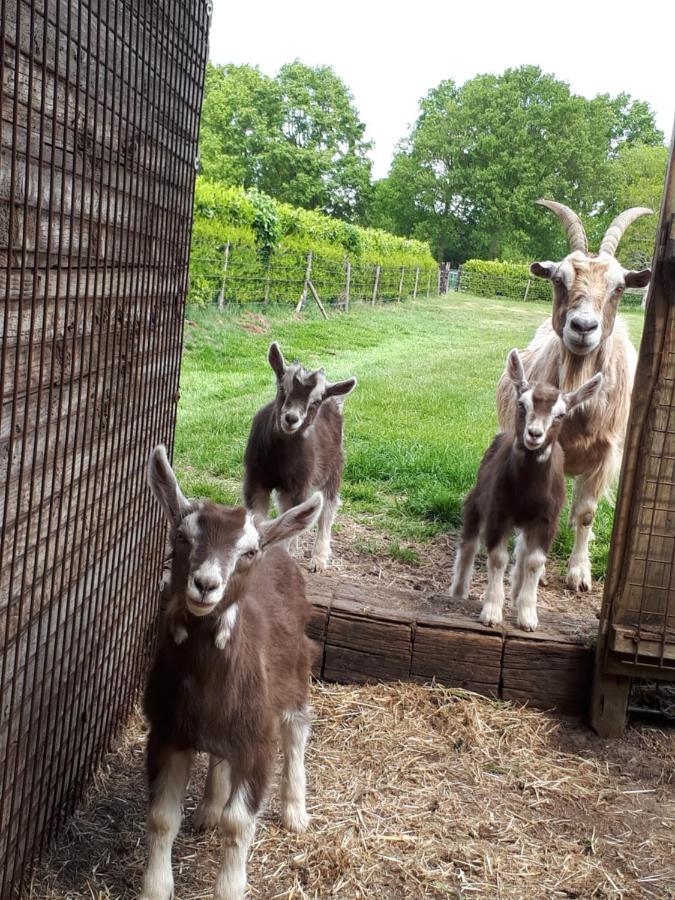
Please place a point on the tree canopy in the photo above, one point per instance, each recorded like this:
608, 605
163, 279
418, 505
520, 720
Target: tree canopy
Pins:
480, 154
297, 137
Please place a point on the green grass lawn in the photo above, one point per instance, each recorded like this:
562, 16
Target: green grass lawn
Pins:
416, 426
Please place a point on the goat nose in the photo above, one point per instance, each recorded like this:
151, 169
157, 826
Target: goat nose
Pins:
291, 418
583, 325
204, 584
535, 433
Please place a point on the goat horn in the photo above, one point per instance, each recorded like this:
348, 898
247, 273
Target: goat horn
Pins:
615, 231
575, 230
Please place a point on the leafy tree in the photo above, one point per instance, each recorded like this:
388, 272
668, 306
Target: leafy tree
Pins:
297, 137
480, 154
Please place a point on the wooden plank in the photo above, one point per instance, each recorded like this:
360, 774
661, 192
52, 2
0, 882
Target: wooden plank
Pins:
546, 674
458, 659
348, 666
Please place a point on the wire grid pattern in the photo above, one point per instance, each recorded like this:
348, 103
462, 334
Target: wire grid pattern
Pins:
99, 118
647, 600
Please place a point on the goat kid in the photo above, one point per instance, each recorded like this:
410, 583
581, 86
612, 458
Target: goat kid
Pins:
520, 485
239, 675
295, 446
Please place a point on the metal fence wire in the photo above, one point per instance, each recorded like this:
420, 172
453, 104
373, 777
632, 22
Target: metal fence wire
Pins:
99, 118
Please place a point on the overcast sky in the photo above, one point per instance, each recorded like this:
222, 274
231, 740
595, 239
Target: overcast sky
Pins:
390, 56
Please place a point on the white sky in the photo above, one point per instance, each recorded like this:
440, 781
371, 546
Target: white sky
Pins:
390, 55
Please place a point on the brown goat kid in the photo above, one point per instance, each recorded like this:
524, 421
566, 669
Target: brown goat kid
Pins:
230, 681
295, 446
520, 485
582, 337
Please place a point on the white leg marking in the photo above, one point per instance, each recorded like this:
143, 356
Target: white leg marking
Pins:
295, 730
238, 825
321, 556
463, 569
226, 625
533, 565
216, 794
283, 503
493, 601
163, 824
581, 517
180, 633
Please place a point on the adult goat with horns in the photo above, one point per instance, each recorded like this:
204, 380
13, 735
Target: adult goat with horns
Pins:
582, 337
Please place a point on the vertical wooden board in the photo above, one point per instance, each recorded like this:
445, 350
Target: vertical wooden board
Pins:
547, 674
462, 659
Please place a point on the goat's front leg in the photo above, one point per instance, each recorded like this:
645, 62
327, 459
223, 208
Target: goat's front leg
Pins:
493, 600
530, 562
463, 569
257, 498
238, 826
582, 513
322, 553
216, 793
284, 502
295, 728
168, 772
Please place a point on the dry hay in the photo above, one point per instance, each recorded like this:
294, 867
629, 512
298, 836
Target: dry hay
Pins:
416, 791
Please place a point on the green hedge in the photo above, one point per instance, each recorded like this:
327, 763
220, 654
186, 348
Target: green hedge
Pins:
492, 278
269, 243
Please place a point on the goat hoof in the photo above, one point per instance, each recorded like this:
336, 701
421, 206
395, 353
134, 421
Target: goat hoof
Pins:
318, 564
528, 621
579, 579
206, 817
295, 818
491, 615
543, 581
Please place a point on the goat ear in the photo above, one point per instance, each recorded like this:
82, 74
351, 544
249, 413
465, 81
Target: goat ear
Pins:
292, 522
340, 388
162, 482
543, 269
515, 371
276, 360
638, 279
587, 390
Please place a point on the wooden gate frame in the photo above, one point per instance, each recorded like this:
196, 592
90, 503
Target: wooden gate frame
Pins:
614, 667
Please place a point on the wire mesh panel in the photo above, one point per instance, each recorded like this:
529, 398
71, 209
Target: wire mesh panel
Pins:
99, 115
639, 603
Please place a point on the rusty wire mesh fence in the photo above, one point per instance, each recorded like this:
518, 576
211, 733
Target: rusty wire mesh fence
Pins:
99, 118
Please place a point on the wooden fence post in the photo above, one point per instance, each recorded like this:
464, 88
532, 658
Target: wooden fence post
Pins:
400, 283
459, 278
429, 285
417, 278
527, 288
438, 283
347, 286
308, 273
267, 285
377, 281
221, 295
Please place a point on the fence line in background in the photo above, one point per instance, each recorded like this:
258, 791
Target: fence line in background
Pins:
292, 277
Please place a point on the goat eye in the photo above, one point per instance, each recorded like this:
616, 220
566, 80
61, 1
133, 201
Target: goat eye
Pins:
182, 538
620, 289
557, 279
249, 554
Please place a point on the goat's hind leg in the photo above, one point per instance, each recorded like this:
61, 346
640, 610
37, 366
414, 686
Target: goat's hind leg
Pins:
238, 824
582, 513
322, 553
295, 728
492, 612
168, 774
216, 793
466, 554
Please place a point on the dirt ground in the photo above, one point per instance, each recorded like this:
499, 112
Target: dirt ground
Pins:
415, 792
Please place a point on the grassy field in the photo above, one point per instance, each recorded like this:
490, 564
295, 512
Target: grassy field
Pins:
415, 427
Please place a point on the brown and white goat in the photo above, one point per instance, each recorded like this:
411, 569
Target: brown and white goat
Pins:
295, 446
583, 337
239, 674
520, 485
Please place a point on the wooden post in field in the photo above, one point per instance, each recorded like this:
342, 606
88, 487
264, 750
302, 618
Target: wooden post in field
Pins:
459, 278
429, 285
347, 285
417, 278
438, 282
318, 300
400, 284
267, 285
221, 295
377, 281
308, 274
527, 288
